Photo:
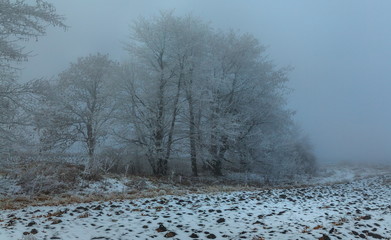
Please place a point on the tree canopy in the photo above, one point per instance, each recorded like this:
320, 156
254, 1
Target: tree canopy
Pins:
19, 21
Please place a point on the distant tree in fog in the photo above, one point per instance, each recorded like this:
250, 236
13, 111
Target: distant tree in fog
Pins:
80, 106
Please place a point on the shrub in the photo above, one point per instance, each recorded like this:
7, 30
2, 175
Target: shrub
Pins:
48, 177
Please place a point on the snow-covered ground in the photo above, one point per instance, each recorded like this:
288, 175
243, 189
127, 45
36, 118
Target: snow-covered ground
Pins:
360, 209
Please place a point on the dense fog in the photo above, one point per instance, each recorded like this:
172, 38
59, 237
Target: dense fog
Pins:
339, 52
320, 71
194, 119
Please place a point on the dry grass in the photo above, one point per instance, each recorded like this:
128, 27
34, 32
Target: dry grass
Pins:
161, 187
18, 202
145, 187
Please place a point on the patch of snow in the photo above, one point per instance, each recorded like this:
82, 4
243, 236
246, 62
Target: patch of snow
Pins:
341, 211
107, 185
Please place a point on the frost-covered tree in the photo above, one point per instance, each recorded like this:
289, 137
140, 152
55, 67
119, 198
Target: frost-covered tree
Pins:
150, 89
22, 20
80, 105
244, 90
15, 109
167, 55
202, 94
190, 37
19, 21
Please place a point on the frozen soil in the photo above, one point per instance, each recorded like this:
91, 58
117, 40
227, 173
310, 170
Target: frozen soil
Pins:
360, 209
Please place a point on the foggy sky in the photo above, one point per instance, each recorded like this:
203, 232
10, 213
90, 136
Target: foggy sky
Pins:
341, 52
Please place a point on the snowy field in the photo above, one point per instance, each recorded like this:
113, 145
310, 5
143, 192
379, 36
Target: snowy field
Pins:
352, 210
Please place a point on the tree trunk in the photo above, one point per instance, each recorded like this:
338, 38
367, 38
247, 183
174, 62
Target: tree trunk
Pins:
91, 148
192, 126
215, 163
217, 167
173, 119
193, 137
162, 167
159, 132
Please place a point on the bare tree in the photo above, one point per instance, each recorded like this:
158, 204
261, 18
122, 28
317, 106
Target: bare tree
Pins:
82, 105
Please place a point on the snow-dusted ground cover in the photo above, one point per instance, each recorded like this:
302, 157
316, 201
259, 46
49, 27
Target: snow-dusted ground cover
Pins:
335, 173
360, 209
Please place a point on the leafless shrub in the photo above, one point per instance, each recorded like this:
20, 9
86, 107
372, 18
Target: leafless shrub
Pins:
109, 160
138, 184
46, 177
92, 175
122, 161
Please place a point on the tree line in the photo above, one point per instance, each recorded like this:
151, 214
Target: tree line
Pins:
187, 93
